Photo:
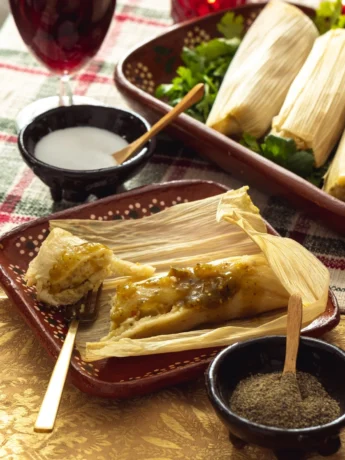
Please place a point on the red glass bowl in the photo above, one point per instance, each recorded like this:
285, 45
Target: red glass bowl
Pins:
181, 10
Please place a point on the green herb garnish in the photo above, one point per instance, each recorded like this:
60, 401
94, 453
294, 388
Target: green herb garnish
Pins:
251, 142
206, 63
328, 16
231, 25
284, 152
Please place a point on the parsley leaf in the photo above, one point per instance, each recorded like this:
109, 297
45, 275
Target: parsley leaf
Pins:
301, 162
316, 177
206, 63
277, 149
328, 16
284, 153
218, 47
251, 142
231, 25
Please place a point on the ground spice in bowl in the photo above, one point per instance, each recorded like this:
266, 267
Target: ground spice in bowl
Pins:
275, 400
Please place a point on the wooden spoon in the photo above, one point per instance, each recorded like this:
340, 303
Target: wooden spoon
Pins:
190, 99
293, 329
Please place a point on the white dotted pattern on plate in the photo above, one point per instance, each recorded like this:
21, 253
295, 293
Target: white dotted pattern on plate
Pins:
140, 75
196, 36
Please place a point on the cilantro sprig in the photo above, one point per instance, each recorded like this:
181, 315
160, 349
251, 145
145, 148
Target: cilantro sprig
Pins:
206, 63
231, 25
329, 16
284, 152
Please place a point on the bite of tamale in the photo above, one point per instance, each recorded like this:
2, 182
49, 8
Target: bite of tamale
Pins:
66, 267
313, 113
258, 78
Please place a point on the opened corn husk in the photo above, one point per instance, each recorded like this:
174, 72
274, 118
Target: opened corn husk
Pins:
257, 81
238, 231
335, 178
313, 114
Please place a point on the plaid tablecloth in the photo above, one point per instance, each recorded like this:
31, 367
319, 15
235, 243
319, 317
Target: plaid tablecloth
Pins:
24, 197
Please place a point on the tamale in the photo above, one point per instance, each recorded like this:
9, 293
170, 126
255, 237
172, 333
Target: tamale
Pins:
284, 265
334, 183
313, 113
205, 294
258, 78
66, 267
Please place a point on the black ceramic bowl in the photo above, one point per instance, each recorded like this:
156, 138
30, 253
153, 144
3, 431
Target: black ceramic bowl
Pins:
265, 355
77, 185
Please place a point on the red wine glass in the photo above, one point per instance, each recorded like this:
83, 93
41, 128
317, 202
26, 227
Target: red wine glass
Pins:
63, 35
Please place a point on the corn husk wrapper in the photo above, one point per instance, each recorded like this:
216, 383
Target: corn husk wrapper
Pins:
267, 61
194, 233
313, 113
335, 177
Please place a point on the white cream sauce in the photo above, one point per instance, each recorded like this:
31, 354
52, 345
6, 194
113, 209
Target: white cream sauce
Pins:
81, 148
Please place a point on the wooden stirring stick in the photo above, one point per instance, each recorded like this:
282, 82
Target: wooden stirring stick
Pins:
190, 99
293, 329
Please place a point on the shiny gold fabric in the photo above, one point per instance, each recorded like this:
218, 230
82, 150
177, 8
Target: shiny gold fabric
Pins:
176, 423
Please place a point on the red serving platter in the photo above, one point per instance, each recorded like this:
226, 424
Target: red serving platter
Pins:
115, 377
155, 61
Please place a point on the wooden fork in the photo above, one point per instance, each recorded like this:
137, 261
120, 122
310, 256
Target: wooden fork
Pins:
84, 311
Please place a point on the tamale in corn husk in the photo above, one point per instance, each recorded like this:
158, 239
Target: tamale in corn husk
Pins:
257, 81
334, 183
214, 230
313, 114
67, 267
184, 299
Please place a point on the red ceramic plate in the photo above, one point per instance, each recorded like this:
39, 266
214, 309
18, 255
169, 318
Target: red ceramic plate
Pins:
115, 377
154, 62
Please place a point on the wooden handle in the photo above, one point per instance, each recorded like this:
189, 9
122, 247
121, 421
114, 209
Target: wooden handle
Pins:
46, 417
190, 99
294, 321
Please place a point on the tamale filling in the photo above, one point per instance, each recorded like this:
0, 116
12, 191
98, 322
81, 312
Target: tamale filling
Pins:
75, 266
204, 286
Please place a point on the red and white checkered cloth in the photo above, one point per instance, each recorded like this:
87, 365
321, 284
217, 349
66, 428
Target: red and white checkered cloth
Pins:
24, 197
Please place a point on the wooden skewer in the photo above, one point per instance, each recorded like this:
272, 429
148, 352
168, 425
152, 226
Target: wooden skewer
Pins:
190, 99
48, 411
294, 321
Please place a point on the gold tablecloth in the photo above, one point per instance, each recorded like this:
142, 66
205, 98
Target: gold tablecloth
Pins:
176, 423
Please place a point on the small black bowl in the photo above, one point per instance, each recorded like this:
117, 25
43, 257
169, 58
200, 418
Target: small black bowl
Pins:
265, 355
76, 185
